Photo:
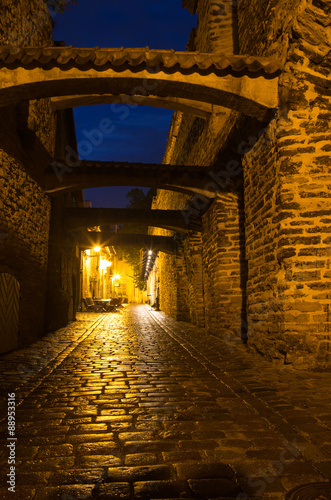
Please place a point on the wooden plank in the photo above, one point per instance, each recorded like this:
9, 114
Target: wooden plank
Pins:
9, 310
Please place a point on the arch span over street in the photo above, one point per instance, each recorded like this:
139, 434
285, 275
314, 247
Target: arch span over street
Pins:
187, 179
89, 239
191, 107
174, 220
242, 83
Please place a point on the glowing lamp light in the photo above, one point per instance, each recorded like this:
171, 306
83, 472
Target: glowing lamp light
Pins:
116, 277
104, 264
97, 249
150, 252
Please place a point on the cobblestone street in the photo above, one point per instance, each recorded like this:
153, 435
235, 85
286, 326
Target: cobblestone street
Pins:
134, 405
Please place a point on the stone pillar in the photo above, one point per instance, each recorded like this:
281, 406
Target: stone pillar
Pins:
194, 270
181, 281
173, 286
217, 27
288, 207
224, 267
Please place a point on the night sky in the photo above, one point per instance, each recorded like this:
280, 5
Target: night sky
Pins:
142, 135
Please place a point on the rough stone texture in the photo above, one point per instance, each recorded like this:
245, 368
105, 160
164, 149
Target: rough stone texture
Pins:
24, 230
287, 197
25, 24
63, 291
31, 134
195, 284
137, 405
265, 27
63, 274
217, 27
224, 267
286, 167
27, 141
191, 141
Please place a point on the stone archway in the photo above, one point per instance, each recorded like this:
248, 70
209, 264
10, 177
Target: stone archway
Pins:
242, 83
173, 220
196, 108
189, 179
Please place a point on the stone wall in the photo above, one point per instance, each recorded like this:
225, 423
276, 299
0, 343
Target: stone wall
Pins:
279, 221
217, 27
224, 267
196, 141
26, 146
172, 273
24, 226
194, 272
265, 27
287, 200
63, 293
24, 24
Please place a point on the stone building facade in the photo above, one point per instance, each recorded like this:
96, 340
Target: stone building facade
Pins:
261, 265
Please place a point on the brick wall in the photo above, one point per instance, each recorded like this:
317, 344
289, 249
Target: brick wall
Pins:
208, 142
24, 226
265, 27
195, 282
202, 142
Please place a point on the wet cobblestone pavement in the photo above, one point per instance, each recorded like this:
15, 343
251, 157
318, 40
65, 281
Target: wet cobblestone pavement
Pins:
134, 405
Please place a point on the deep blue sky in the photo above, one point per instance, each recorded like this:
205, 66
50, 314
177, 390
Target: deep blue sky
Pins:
142, 135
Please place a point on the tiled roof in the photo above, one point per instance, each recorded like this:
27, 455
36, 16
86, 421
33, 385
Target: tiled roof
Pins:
96, 57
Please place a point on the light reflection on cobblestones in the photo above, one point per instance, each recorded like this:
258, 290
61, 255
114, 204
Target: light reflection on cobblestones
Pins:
136, 389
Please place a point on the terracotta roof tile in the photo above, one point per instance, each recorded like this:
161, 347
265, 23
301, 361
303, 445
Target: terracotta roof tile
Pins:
134, 57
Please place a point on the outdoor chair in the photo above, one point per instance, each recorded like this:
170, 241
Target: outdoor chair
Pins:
111, 306
91, 306
117, 301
